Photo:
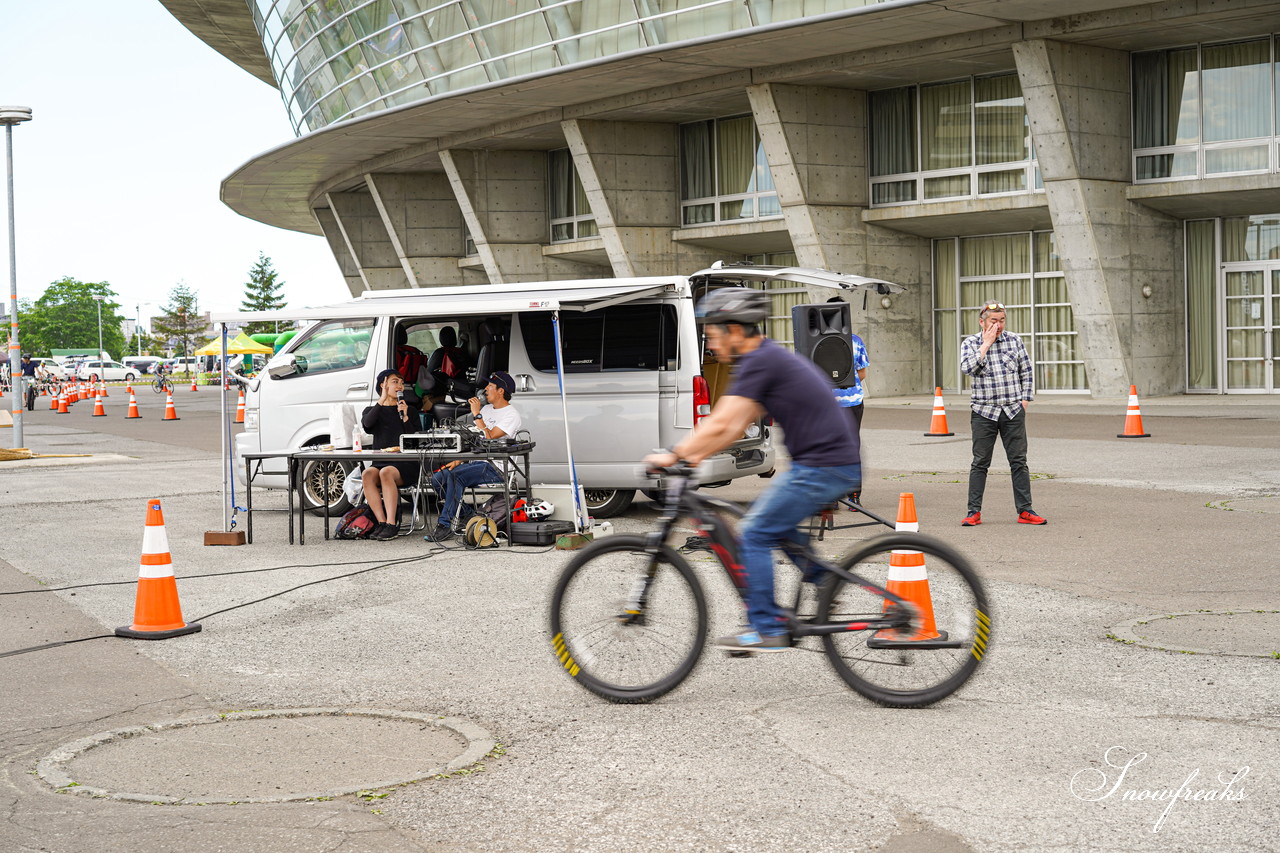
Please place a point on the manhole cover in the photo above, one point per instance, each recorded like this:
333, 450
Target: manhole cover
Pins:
1268, 504
1244, 633
265, 756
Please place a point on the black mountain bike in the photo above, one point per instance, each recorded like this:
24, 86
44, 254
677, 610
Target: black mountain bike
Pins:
162, 384
629, 616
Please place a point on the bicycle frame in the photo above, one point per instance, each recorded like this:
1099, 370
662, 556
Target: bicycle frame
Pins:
707, 515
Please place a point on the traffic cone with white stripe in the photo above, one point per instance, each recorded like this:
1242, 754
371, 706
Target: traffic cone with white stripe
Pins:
240, 408
1133, 417
133, 407
98, 410
908, 578
193, 383
62, 403
170, 412
156, 612
57, 395
102, 388
938, 425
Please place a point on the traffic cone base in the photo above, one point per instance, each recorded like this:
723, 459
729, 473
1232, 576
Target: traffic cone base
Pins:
157, 614
1133, 417
938, 424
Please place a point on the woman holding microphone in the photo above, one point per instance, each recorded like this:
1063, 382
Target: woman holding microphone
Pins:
387, 420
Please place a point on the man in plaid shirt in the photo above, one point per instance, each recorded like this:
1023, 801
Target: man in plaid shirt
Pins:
1001, 371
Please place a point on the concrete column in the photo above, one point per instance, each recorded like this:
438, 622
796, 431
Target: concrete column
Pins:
423, 223
630, 172
367, 240
1077, 100
815, 142
503, 198
338, 245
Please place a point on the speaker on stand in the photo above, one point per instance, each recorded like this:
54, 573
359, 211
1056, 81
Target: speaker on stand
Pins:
822, 335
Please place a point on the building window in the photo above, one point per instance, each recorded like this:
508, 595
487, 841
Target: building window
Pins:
1205, 110
962, 139
724, 176
571, 216
783, 296
1023, 272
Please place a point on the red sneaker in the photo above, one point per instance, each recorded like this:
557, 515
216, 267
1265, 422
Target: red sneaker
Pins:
1030, 517
973, 519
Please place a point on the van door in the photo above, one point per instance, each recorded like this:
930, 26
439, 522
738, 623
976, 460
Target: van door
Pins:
614, 357
330, 364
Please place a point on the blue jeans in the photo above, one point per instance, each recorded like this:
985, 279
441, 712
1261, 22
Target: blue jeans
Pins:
775, 516
450, 484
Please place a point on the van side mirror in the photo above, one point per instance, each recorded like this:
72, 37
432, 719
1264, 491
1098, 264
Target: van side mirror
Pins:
282, 366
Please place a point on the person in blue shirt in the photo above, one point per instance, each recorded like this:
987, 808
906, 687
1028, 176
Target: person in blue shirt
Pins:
825, 462
850, 398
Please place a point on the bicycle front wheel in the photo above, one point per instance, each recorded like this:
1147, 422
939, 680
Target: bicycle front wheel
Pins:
157, 386
920, 665
614, 648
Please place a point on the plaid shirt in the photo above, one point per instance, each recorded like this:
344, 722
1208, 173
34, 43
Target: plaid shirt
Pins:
1000, 379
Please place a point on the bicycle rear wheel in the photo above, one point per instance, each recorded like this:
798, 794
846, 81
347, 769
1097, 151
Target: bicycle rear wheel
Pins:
628, 657
918, 666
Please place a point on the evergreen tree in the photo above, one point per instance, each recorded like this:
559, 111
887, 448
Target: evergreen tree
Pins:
181, 325
262, 293
66, 317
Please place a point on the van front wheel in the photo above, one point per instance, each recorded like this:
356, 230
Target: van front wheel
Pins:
607, 503
320, 483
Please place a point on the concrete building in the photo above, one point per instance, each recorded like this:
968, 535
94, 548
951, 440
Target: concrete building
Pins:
1108, 170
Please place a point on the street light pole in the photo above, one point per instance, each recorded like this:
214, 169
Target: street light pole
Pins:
9, 116
102, 368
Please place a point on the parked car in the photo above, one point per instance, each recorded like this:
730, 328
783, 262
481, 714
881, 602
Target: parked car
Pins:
634, 375
109, 371
183, 365
51, 368
143, 363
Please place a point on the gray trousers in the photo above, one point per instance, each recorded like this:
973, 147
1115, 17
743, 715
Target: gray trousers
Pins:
1013, 432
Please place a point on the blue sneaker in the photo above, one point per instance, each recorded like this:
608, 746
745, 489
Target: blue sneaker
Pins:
752, 641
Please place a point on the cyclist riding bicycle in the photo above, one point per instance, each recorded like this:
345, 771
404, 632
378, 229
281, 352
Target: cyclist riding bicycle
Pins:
825, 459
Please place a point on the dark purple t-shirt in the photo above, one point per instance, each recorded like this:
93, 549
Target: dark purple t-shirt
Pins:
816, 431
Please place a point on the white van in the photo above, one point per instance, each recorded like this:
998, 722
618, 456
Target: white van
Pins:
633, 373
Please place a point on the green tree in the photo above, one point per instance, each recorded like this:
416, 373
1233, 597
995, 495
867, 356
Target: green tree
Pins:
180, 326
262, 293
66, 317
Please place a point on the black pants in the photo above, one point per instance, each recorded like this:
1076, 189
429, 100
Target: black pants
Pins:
855, 412
1013, 432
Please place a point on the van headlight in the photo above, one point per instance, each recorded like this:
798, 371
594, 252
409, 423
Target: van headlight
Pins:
251, 421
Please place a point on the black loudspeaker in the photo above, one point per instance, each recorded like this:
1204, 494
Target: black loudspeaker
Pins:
822, 335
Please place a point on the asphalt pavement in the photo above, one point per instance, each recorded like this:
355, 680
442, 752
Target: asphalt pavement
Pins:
1073, 736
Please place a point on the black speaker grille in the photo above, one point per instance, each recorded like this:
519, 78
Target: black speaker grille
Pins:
834, 357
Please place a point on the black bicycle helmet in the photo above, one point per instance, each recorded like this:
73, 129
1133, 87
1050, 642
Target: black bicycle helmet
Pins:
734, 305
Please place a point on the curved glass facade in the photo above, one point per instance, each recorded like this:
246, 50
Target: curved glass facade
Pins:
340, 59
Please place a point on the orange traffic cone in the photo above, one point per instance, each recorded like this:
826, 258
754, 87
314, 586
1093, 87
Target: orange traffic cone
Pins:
908, 578
156, 612
57, 395
133, 407
128, 389
62, 403
102, 388
170, 413
938, 426
1133, 418
193, 383
240, 408
98, 410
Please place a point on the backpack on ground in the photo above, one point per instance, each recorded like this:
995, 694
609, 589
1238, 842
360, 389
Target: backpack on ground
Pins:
356, 523
496, 509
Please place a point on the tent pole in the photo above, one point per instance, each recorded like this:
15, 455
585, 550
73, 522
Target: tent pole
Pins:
226, 432
579, 511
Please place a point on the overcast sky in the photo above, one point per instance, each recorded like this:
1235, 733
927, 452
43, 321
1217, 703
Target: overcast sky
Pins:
136, 123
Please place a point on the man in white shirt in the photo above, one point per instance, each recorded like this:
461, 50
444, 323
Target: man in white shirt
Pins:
497, 419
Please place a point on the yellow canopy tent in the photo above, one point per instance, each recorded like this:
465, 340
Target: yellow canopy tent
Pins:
241, 344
